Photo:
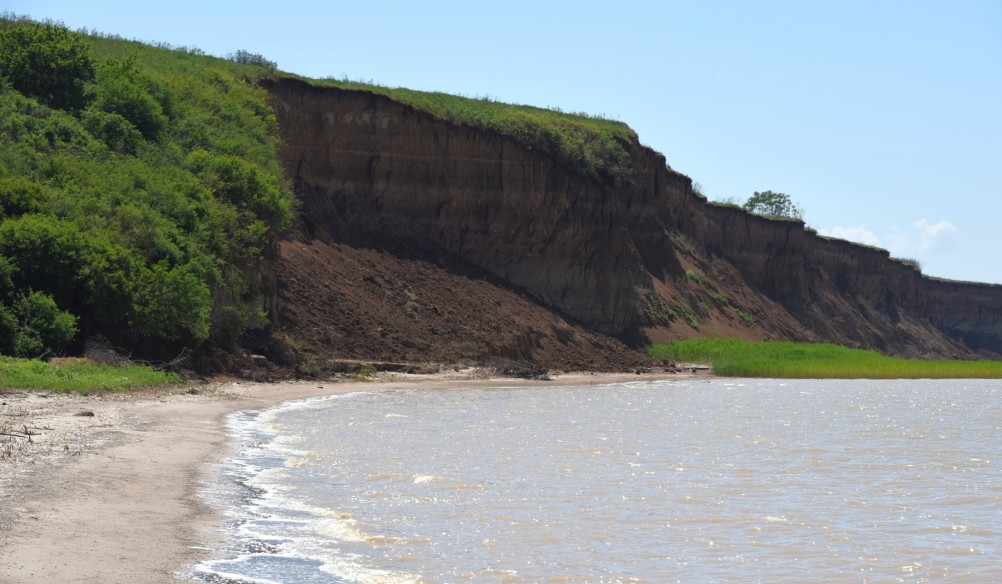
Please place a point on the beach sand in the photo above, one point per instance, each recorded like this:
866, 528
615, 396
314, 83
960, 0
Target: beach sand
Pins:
113, 497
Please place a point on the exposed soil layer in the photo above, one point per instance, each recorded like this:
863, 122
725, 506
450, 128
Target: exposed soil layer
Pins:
390, 303
645, 261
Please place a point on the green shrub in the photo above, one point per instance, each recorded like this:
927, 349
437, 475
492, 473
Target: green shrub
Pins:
228, 323
747, 317
8, 330
773, 205
366, 373
20, 195
48, 253
7, 269
690, 318
693, 276
122, 90
83, 272
242, 184
248, 58
46, 61
109, 275
173, 304
41, 326
118, 133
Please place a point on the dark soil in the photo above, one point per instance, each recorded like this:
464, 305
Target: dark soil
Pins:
390, 303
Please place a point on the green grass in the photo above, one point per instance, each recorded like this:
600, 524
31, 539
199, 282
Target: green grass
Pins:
745, 316
590, 144
77, 375
735, 358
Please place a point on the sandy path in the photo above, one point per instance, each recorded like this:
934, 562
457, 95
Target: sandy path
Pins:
112, 498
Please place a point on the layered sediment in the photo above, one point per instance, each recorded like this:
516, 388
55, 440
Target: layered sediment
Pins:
643, 261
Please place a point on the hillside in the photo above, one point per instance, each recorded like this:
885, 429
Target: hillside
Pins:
141, 195
181, 204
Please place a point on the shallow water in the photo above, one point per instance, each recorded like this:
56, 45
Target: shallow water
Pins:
740, 480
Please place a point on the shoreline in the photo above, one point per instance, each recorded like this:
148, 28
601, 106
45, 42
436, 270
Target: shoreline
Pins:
114, 496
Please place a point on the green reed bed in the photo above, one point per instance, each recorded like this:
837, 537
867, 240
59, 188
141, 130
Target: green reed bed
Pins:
77, 375
735, 358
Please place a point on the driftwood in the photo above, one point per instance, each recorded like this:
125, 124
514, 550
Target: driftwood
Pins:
27, 433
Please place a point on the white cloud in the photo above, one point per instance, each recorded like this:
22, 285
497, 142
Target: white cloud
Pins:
899, 243
858, 234
930, 234
924, 237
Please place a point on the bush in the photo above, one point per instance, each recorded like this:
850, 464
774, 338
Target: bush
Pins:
82, 271
7, 270
244, 185
41, 326
173, 304
46, 61
8, 330
47, 252
122, 90
248, 58
228, 323
118, 133
19, 195
775, 205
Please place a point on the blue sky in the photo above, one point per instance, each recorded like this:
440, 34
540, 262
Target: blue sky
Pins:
883, 118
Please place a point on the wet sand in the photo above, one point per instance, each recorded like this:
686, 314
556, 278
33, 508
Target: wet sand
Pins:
112, 497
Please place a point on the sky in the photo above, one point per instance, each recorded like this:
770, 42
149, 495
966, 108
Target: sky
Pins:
881, 118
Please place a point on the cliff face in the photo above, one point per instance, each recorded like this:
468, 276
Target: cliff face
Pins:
646, 261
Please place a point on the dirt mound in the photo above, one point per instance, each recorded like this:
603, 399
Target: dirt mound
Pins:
390, 303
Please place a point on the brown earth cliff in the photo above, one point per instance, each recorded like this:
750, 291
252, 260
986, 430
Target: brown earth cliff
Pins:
425, 239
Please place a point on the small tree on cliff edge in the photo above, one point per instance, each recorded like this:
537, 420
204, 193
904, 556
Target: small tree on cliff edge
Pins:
772, 204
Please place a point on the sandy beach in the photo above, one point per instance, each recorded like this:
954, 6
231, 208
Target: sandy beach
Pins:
107, 488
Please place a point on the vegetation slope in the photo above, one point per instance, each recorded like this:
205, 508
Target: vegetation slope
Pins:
140, 193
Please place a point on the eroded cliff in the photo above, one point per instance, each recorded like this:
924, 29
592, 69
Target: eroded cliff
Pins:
646, 260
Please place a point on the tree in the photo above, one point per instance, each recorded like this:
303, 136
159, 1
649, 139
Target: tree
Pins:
173, 304
47, 62
43, 327
247, 58
772, 204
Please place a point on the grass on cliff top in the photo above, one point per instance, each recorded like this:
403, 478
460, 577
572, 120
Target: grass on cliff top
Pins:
590, 144
77, 375
735, 358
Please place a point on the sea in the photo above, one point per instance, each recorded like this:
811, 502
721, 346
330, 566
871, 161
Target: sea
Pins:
679, 480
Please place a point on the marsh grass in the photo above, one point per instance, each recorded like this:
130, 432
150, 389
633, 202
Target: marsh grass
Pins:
77, 375
735, 358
